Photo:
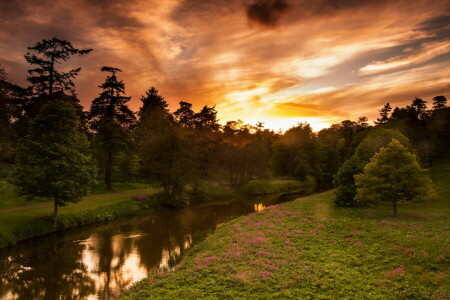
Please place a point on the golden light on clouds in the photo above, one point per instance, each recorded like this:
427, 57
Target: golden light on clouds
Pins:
296, 61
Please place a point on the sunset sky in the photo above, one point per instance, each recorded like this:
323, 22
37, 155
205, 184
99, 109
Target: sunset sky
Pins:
275, 61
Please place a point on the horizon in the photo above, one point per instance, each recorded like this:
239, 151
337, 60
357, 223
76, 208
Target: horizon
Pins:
246, 57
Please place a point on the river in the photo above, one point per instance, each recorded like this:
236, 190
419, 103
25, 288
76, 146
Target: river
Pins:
97, 261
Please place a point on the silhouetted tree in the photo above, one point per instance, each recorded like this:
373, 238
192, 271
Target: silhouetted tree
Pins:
110, 117
153, 101
419, 108
53, 160
384, 114
185, 116
45, 78
393, 175
206, 118
439, 102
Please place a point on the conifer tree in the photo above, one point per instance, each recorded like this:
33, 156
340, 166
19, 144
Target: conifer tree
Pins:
384, 114
439, 102
45, 79
53, 160
110, 117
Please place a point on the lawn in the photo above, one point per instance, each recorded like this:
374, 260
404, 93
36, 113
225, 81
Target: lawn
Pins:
309, 249
10, 198
10, 219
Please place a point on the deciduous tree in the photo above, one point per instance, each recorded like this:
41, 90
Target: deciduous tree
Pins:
393, 175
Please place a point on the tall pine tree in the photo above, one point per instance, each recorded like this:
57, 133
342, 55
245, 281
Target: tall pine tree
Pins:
384, 114
45, 79
111, 118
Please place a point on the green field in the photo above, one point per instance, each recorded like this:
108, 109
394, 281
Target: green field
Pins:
10, 198
309, 249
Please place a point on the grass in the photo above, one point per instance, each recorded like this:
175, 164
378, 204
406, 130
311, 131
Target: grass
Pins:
309, 249
34, 221
10, 198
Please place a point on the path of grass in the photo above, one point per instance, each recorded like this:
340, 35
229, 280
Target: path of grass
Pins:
308, 249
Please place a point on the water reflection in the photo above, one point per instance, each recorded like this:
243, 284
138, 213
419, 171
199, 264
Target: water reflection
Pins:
95, 262
259, 206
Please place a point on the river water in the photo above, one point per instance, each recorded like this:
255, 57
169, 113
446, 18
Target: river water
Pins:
97, 261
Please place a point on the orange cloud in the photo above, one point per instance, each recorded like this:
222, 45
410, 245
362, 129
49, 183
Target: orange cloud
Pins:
318, 61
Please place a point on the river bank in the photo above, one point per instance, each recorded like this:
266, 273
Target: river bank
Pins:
24, 222
310, 249
99, 260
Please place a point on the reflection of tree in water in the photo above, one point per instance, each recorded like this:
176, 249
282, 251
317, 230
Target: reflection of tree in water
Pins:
37, 276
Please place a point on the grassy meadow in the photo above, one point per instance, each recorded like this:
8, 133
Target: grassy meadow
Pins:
310, 249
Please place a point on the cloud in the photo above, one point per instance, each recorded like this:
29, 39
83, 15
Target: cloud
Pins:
267, 12
410, 56
308, 66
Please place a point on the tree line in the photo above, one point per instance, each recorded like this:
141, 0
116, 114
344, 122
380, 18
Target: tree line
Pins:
52, 147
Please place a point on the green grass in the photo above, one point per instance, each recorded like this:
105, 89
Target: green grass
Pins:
35, 221
10, 198
309, 249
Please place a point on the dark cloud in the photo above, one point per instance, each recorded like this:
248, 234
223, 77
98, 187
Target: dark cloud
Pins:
436, 23
267, 12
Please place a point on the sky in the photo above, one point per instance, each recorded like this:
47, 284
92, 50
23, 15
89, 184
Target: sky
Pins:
276, 61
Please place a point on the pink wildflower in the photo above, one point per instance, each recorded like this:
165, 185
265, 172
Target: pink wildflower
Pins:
265, 274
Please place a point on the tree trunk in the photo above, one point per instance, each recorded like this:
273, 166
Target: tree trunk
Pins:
108, 170
394, 203
55, 212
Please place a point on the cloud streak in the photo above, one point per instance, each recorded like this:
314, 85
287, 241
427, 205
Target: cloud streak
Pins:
277, 61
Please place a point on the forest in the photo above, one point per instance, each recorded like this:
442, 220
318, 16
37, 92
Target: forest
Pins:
53, 147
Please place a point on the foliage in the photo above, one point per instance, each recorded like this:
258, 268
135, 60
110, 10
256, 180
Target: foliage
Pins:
393, 175
296, 153
53, 160
245, 152
344, 180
